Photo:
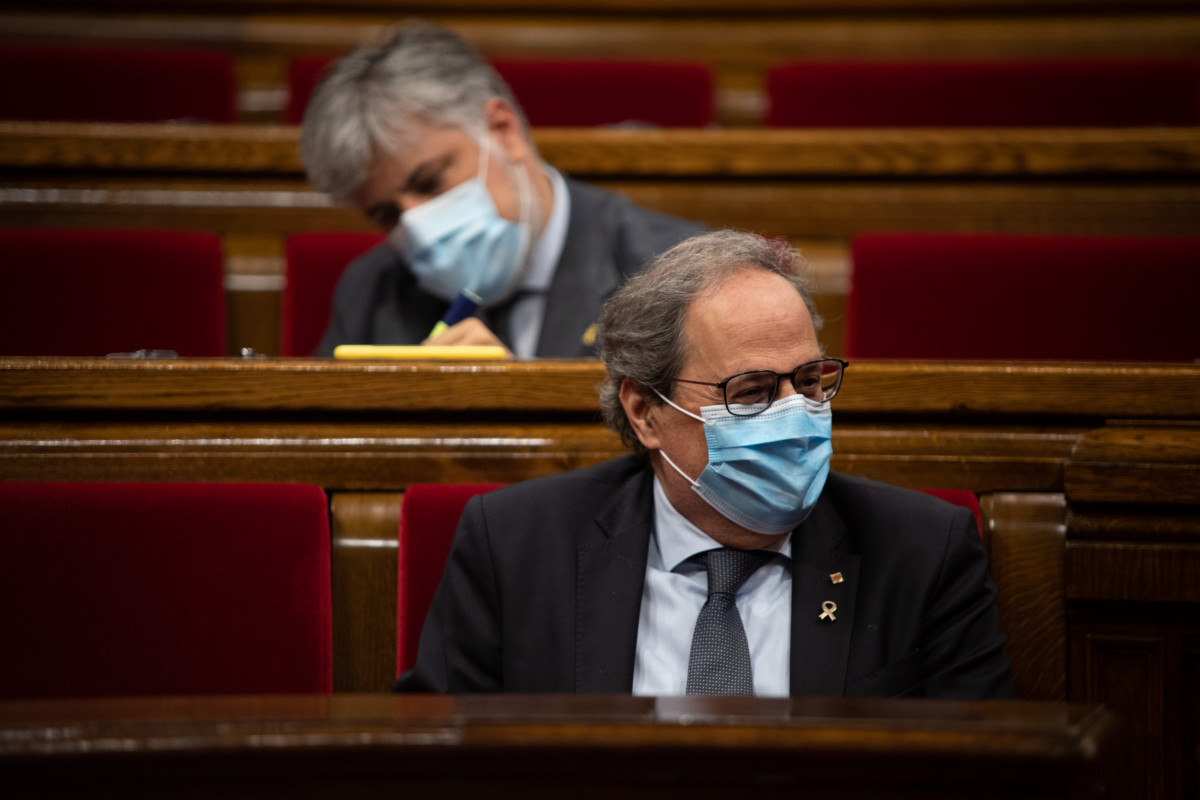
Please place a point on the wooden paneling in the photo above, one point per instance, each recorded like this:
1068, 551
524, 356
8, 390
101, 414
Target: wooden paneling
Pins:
1120, 573
687, 153
1136, 571
740, 46
1027, 536
364, 531
1136, 465
1011, 390
623, 7
817, 188
545, 746
1128, 671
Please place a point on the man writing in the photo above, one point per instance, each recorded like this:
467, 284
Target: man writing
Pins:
722, 557
423, 136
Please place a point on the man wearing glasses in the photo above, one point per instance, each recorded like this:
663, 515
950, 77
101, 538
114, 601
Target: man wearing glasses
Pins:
722, 556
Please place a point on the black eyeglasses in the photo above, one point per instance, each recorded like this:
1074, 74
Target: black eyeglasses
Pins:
750, 393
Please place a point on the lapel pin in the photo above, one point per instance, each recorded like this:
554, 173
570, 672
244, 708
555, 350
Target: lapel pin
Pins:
836, 577
828, 607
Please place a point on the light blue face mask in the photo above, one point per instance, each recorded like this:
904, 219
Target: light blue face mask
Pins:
764, 472
458, 240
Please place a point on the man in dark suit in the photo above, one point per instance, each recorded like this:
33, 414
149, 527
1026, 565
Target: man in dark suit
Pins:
616, 578
423, 136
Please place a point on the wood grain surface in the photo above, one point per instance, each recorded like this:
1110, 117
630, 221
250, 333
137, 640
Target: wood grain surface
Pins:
274, 150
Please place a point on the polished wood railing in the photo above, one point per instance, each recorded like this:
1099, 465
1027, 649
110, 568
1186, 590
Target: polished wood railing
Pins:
740, 41
1088, 474
551, 746
817, 188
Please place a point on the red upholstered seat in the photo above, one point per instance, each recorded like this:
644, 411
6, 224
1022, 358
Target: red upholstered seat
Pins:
668, 94
304, 73
428, 518
314, 262
82, 84
573, 93
948, 296
117, 589
76, 292
1092, 92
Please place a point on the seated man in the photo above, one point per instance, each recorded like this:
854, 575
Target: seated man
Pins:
423, 136
722, 556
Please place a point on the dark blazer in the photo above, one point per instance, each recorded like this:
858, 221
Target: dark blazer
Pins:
378, 300
543, 588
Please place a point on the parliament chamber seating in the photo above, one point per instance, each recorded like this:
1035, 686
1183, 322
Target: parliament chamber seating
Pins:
123, 589
1107, 298
573, 93
313, 263
984, 94
91, 292
429, 515
71, 83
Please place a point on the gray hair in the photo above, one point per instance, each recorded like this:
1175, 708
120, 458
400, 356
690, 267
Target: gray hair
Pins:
642, 326
423, 73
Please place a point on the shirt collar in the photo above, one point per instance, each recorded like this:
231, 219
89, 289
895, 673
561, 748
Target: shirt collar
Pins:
678, 539
550, 244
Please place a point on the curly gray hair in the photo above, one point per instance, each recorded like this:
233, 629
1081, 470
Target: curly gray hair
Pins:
642, 325
372, 98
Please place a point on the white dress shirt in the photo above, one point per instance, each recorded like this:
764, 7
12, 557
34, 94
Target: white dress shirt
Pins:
676, 589
528, 312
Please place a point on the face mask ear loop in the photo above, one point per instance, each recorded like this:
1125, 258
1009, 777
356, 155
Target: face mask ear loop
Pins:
680, 410
667, 458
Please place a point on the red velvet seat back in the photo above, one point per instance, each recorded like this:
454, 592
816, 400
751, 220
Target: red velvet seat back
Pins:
82, 84
946, 296
576, 93
304, 73
75, 292
315, 261
1094, 92
428, 518
668, 94
118, 589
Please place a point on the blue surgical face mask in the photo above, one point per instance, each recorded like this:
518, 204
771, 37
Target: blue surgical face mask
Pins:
458, 240
764, 472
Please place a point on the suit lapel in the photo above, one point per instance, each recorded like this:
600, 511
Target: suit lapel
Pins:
611, 574
584, 278
821, 647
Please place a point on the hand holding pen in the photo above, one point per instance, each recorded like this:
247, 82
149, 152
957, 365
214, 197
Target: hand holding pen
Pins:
458, 326
463, 306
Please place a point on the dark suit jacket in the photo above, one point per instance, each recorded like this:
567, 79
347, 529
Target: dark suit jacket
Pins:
378, 301
543, 588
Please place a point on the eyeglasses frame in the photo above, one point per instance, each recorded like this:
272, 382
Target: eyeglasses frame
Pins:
791, 376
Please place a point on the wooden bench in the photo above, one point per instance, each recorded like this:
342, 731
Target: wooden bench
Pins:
741, 41
1089, 477
817, 188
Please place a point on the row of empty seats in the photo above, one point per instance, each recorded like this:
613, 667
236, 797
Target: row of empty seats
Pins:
121, 589
125, 589
921, 296
135, 85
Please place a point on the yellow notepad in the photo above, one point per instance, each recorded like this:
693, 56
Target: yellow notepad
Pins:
424, 352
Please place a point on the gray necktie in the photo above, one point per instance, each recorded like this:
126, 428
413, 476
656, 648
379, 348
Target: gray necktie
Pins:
719, 663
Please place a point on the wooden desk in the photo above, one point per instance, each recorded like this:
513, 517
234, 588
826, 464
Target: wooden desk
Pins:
740, 41
1088, 474
550, 746
817, 188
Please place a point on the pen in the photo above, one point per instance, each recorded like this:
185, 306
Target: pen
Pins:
463, 306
